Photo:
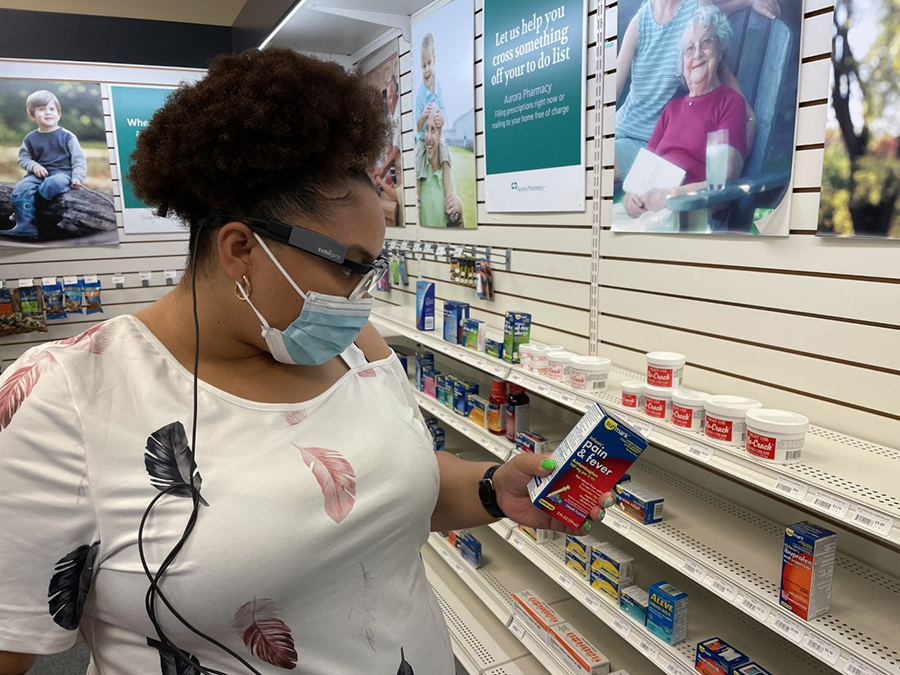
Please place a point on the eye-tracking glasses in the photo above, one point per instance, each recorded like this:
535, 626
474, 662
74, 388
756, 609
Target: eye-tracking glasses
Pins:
312, 242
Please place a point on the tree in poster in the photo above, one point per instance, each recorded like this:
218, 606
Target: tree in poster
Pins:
861, 177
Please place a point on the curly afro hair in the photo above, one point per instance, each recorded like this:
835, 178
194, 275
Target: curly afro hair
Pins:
269, 133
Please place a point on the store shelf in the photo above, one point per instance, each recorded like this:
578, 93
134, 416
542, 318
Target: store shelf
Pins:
847, 480
708, 616
496, 445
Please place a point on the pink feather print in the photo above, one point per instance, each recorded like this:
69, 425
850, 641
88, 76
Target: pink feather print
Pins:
268, 637
368, 372
96, 343
336, 478
17, 388
294, 417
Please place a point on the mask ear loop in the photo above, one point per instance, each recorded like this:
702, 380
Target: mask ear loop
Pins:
278, 265
244, 296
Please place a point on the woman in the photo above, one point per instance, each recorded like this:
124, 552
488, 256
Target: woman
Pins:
657, 29
302, 455
680, 136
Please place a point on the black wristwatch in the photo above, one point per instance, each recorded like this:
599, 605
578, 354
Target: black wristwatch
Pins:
488, 494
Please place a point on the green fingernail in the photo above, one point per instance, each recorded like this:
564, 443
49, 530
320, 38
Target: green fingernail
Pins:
609, 501
587, 526
548, 464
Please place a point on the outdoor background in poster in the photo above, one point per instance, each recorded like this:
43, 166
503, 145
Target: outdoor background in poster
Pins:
533, 53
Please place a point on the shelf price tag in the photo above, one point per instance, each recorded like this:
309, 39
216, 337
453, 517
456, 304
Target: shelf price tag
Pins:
725, 588
675, 668
568, 398
593, 603
834, 505
48, 281
117, 279
498, 370
702, 452
417, 247
622, 627
694, 570
90, 278
565, 580
873, 520
458, 251
517, 629
485, 441
518, 542
792, 488
445, 348
428, 248
72, 280
516, 377
651, 651
441, 250
543, 388
459, 568
26, 283
446, 554
822, 648
620, 525
644, 428
857, 667
789, 628
755, 607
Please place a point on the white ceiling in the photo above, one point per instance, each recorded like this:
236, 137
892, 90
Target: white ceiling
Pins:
313, 31
210, 12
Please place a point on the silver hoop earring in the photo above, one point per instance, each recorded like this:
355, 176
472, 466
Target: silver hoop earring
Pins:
241, 293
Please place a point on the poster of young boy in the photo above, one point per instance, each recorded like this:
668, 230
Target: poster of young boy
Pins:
55, 184
443, 51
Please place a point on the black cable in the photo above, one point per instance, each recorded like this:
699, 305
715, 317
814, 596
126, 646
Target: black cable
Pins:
154, 591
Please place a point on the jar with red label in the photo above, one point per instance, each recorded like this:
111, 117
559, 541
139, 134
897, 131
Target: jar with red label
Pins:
725, 418
776, 436
560, 366
589, 373
633, 395
658, 402
687, 409
540, 361
665, 369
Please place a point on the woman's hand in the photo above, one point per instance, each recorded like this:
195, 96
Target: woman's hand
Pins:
633, 205
655, 199
452, 203
767, 8
511, 483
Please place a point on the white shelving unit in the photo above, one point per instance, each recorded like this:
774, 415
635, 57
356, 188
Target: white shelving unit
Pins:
846, 480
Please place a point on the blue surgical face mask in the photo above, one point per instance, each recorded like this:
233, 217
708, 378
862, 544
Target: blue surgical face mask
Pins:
326, 327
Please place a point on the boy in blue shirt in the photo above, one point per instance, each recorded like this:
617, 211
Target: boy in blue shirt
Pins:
52, 160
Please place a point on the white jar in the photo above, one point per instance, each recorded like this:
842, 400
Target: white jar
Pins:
658, 402
687, 409
776, 435
589, 373
525, 356
554, 348
540, 362
560, 366
725, 418
633, 395
665, 369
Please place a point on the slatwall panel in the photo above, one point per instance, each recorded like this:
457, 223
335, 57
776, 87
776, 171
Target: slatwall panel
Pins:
551, 261
803, 323
153, 253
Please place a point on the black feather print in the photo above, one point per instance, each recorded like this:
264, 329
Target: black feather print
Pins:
405, 668
169, 665
170, 463
365, 605
70, 584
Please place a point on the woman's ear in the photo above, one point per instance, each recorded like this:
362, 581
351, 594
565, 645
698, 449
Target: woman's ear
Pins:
235, 241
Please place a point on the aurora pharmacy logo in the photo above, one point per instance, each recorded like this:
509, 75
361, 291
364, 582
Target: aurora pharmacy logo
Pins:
514, 186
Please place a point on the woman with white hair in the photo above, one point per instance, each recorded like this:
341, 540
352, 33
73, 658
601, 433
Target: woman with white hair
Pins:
680, 135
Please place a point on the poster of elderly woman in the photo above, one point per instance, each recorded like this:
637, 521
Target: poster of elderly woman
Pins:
705, 115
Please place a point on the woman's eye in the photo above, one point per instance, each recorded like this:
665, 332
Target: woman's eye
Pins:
345, 272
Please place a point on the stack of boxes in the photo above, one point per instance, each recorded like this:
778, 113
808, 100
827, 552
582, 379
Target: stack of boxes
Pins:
611, 569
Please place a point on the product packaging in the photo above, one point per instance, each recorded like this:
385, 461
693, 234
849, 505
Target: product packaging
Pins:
633, 395
516, 332
496, 411
776, 436
518, 411
612, 562
573, 562
589, 462
589, 373
54, 301
424, 362
473, 334
455, 315
641, 503
92, 298
536, 535
634, 600
658, 402
484, 280
576, 651
437, 433
536, 614
525, 356
404, 277
478, 408
807, 569
430, 383
461, 389
470, 549
28, 306
540, 360
665, 369
688, 410
424, 305
717, 657
8, 322
667, 613
726, 418
528, 441
560, 366
751, 669
493, 348
577, 556
74, 295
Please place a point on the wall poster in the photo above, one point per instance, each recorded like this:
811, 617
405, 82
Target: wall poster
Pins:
861, 174
443, 51
382, 71
534, 120
706, 109
132, 108
55, 184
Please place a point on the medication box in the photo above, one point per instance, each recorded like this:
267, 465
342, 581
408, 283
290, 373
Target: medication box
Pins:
576, 652
601, 582
493, 348
455, 315
751, 669
578, 548
424, 362
667, 612
461, 390
633, 600
516, 332
612, 562
589, 462
641, 503
470, 549
473, 334
528, 441
807, 569
478, 410
717, 657
576, 564
536, 535
536, 614
424, 305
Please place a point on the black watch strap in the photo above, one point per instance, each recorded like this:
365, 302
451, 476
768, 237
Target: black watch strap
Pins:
488, 494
